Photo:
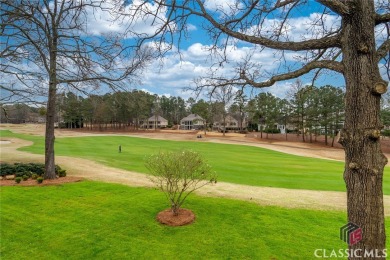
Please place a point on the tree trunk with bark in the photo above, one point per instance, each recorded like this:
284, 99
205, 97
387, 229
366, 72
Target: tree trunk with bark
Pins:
51, 110
364, 162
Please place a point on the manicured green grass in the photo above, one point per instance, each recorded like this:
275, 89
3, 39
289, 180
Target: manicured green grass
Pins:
233, 163
92, 220
38, 140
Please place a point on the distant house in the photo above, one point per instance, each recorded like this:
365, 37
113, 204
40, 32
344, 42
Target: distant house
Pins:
192, 122
279, 126
230, 123
36, 118
154, 122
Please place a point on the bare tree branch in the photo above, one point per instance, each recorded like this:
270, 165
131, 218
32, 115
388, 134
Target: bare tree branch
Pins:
336, 6
332, 65
382, 18
383, 50
326, 42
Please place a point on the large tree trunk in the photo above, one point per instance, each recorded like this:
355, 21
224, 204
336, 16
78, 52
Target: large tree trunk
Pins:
51, 107
364, 161
50, 118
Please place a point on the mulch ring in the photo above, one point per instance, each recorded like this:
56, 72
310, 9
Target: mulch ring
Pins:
185, 217
31, 182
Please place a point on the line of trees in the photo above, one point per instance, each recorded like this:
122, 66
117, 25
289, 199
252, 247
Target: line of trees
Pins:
307, 110
120, 110
21, 113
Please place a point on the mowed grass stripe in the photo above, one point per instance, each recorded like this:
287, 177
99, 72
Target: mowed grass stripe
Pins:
108, 221
233, 163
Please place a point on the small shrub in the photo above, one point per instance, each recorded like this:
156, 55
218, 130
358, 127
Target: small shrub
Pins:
18, 179
6, 169
385, 132
38, 168
272, 131
25, 177
40, 180
34, 176
19, 174
57, 169
178, 174
62, 173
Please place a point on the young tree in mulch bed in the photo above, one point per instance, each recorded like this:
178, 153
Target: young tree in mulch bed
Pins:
178, 174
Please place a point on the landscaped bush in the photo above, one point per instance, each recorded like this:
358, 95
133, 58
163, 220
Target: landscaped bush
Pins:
40, 180
23, 173
21, 169
34, 176
272, 131
386, 133
38, 168
59, 171
6, 169
18, 179
25, 177
62, 173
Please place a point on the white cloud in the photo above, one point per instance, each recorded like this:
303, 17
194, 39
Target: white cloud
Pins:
191, 27
295, 29
178, 74
113, 16
280, 89
197, 50
225, 6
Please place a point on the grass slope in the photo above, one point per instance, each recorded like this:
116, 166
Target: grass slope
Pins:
92, 220
233, 163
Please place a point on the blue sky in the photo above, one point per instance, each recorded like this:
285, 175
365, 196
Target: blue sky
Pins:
174, 72
178, 72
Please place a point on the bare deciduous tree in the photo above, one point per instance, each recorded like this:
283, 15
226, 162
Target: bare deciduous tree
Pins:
223, 96
49, 44
178, 174
350, 37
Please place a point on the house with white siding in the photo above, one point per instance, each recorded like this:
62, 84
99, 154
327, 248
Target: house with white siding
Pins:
154, 122
192, 122
230, 123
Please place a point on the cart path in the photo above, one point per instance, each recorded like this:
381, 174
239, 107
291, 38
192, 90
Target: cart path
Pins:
289, 198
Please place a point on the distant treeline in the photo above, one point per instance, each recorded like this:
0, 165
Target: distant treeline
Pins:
307, 109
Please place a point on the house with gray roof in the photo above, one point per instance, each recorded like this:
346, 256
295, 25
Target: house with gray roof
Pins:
229, 123
154, 122
192, 122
